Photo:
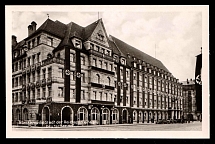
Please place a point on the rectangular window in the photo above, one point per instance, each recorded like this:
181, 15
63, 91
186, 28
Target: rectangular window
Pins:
33, 77
134, 76
20, 96
38, 75
29, 78
44, 73
100, 64
60, 92
72, 93
105, 65
126, 99
101, 50
29, 61
82, 94
49, 72
44, 92
82, 60
29, 44
140, 101
72, 56
111, 67
111, 97
50, 41
114, 98
100, 94
106, 97
38, 93
82, 77
20, 80
134, 100
38, 57
49, 91
61, 72
94, 62
120, 99
33, 43
33, 94
12, 82
38, 40
94, 94
72, 75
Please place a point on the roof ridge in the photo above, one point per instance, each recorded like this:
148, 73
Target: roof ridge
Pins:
117, 46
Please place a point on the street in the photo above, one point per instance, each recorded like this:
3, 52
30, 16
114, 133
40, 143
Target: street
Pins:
193, 126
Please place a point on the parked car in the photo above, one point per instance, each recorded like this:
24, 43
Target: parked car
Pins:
170, 121
161, 121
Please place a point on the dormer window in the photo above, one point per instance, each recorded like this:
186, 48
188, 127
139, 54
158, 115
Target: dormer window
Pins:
123, 61
108, 52
77, 43
135, 65
15, 54
91, 46
100, 35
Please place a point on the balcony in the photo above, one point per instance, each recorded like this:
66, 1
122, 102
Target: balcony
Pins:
99, 102
102, 86
52, 60
43, 82
99, 54
102, 70
49, 81
38, 84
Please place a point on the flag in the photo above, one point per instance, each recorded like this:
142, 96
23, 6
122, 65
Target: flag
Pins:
198, 82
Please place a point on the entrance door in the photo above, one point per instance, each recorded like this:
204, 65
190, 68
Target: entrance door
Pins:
66, 115
124, 116
45, 116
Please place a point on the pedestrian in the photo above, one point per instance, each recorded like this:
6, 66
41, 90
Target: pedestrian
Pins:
29, 123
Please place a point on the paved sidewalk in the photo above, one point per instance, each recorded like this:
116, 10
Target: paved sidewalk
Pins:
84, 126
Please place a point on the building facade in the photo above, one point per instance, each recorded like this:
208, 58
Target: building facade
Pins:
69, 74
190, 101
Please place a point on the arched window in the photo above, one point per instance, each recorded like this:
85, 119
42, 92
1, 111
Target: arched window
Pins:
134, 116
25, 114
82, 114
115, 114
98, 78
94, 114
109, 80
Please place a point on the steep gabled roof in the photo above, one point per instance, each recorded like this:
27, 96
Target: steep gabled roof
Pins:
88, 30
128, 49
56, 28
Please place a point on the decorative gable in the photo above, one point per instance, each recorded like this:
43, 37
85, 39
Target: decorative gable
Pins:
99, 34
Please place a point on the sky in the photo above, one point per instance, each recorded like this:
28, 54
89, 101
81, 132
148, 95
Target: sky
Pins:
171, 34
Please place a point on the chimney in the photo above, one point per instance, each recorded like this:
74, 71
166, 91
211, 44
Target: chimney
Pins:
34, 24
14, 42
30, 30
187, 81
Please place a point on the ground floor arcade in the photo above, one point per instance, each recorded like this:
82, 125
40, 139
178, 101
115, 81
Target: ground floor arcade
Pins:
87, 114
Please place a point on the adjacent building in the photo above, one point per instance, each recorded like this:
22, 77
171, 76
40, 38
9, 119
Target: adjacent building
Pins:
190, 100
69, 74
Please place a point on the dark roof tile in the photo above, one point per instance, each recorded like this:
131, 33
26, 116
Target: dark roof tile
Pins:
126, 48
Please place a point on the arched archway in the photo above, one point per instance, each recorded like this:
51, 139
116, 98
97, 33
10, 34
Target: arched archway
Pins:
66, 115
155, 116
82, 116
115, 116
25, 114
145, 116
140, 116
45, 115
124, 116
95, 119
134, 116
105, 116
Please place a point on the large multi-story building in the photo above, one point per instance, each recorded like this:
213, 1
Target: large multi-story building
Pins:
68, 73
